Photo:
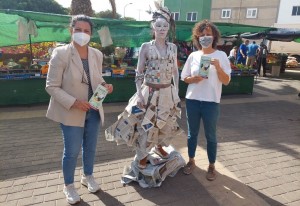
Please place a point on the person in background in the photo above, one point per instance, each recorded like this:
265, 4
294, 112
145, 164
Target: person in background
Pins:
233, 52
75, 70
262, 53
203, 94
242, 53
232, 55
251, 54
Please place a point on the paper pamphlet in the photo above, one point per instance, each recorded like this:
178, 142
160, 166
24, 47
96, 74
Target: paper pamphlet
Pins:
156, 171
160, 123
153, 135
123, 129
132, 120
98, 97
156, 160
204, 66
149, 114
147, 125
136, 110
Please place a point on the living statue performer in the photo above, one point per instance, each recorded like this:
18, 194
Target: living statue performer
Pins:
149, 121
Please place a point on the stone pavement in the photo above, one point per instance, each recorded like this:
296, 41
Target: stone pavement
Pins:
258, 157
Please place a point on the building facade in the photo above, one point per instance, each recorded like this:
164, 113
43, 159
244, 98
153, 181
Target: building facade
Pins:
189, 10
250, 12
288, 17
289, 12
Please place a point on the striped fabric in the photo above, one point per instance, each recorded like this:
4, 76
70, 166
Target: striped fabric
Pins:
85, 64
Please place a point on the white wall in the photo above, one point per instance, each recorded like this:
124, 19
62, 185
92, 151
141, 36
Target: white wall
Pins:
286, 20
285, 12
285, 47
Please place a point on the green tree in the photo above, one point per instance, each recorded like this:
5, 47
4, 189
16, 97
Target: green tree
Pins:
47, 6
129, 19
113, 8
107, 14
81, 7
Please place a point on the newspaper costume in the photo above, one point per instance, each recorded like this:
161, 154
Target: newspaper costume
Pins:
155, 124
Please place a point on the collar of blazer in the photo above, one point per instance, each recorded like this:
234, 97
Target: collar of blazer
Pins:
75, 57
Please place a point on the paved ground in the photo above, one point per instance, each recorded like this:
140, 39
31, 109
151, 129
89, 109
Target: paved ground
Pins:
258, 156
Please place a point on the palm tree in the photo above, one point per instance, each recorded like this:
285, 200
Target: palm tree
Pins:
113, 8
81, 7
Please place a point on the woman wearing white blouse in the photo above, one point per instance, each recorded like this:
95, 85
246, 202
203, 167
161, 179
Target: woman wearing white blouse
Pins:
204, 93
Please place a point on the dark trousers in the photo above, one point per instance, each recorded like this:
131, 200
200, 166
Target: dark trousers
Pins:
241, 60
261, 62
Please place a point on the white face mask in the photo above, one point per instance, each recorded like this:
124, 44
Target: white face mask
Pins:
205, 41
81, 38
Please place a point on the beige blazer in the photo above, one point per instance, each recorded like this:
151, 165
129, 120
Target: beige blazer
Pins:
64, 84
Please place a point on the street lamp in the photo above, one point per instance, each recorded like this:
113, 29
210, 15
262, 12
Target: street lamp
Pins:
125, 7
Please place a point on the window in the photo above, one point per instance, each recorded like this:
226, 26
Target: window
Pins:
191, 16
251, 13
226, 13
296, 11
175, 16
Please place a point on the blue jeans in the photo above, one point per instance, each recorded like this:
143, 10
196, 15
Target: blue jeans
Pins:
76, 137
209, 113
241, 60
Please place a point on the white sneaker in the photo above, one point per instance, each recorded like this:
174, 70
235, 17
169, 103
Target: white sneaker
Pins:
71, 194
90, 183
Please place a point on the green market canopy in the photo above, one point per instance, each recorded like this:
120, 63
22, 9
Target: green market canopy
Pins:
279, 34
54, 27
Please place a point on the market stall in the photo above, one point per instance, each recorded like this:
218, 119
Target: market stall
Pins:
54, 28
32, 91
277, 59
27, 85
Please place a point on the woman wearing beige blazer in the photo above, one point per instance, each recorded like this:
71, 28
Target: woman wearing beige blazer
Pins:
75, 70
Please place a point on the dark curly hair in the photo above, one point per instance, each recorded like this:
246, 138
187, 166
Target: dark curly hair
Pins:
200, 27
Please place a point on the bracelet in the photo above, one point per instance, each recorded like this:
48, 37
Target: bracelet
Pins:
103, 83
139, 77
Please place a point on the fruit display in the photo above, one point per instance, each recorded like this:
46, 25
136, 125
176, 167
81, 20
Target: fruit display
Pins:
233, 66
242, 70
44, 69
23, 60
12, 64
291, 62
120, 53
273, 58
39, 50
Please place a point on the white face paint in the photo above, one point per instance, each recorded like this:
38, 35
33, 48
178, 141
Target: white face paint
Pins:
161, 28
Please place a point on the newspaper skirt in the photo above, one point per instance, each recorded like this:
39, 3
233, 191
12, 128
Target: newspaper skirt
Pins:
143, 129
155, 172
155, 124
